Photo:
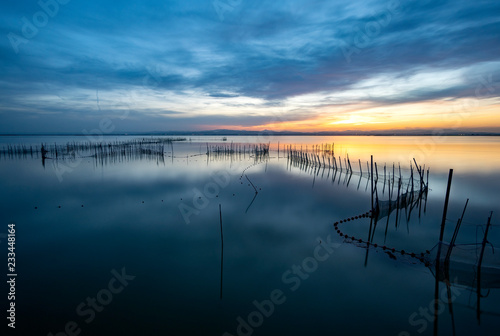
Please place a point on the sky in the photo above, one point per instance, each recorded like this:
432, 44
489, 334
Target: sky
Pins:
102, 66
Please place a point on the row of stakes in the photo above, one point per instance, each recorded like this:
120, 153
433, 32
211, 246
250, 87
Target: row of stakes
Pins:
369, 214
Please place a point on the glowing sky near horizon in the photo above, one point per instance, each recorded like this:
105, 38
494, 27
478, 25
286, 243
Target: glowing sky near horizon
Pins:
249, 65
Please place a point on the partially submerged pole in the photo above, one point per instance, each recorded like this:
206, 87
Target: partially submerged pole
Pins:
455, 234
485, 240
397, 202
372, 181
452, 245
445, 209
393, 174
438, 258
222, 250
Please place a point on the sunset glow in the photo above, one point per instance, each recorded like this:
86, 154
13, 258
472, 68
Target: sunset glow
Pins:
283, 66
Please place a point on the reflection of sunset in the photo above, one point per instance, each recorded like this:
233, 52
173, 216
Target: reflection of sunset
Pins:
433, 151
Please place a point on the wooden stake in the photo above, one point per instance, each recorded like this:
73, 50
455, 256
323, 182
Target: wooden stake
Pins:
485, 240
222, 250
372, 182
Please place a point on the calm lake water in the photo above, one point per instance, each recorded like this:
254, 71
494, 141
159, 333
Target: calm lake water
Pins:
130, 243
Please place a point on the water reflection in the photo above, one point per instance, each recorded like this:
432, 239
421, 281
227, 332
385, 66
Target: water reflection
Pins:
274, 210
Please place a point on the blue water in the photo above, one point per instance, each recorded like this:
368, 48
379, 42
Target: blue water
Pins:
80, 222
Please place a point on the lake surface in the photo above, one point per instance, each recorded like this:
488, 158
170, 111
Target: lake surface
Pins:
128, 241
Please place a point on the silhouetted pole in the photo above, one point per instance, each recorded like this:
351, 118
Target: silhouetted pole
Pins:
372, 181
222, 250
479, 268
445, 209
454, 237
438, 258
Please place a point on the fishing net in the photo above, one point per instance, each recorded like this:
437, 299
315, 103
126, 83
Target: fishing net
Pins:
460, 265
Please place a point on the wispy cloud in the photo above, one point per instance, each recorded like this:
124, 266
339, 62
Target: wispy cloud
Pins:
176, 65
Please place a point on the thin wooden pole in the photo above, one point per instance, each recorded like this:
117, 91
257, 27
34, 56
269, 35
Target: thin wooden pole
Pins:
445, 209
438, 258
485, 240
372, 181
452, 243
222, 251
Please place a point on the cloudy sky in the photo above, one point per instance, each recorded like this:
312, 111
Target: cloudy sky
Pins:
309, 65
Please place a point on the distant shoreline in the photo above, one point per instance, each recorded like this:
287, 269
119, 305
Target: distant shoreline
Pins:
255, 134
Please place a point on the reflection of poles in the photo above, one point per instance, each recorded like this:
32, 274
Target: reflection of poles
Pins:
438, 258
387, 224
349, 180
389, 190
447, 267
436, 303
371, 174
397, 202
393, 174
479, 268
384, 172
411, 174
44, 155
253, 199
368, 240
450, 306
221, 251
172, 145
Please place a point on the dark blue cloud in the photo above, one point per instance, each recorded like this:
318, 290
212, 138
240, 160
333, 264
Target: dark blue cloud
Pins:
207, 53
